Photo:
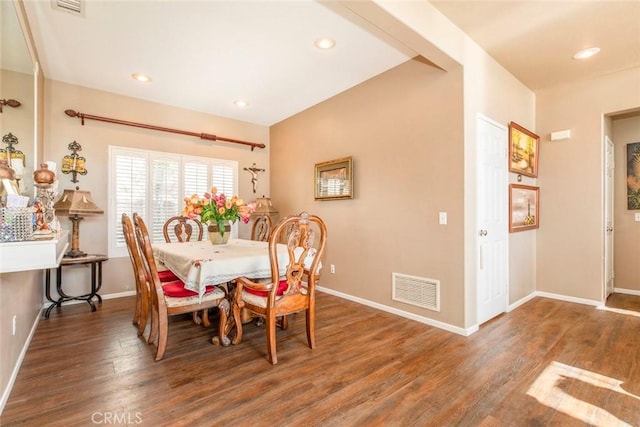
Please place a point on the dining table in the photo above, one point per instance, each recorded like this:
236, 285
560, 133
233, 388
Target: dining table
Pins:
200, 263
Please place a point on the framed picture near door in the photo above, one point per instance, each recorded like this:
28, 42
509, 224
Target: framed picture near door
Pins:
633, 176
524, 207
523, 151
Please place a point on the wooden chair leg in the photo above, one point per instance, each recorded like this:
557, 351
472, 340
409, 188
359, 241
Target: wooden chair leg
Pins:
153, 331
143, 316
162, 338
311, 328
204, 314
271, 339
136, 311
201, 318
195, 318
141, 327
284, 322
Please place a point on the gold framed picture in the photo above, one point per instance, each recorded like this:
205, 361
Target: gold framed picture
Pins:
523, 150
633, 176
334, 179
524, 207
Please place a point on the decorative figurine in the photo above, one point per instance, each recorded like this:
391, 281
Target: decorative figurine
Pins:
254, 171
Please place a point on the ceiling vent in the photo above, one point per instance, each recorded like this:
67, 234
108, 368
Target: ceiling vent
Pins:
418, 291
75, 7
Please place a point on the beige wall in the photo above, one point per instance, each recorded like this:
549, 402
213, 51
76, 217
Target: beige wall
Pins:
20, 296
570, 246
626, 230
488, 90
404, 129
95, 138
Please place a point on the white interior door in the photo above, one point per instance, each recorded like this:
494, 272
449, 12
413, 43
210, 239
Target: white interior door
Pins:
608, 217
492, 216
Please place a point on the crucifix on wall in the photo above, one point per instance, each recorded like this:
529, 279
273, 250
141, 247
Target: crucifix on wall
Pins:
254, 171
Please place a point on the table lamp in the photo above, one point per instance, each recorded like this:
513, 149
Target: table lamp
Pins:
74, 203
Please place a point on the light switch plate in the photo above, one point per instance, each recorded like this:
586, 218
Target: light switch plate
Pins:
637, 216
443, 218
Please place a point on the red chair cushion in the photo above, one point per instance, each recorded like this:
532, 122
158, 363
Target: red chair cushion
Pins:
167, 276
282, 286
176, 289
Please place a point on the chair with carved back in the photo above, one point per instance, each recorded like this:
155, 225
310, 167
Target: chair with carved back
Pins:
141, 311
292, 293
181, 229
261, 228
285, 231
172, 298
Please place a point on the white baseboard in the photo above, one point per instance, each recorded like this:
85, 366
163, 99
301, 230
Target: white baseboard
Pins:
592, 302
626, 291
521, 301
119, 295
14, 374
402, 313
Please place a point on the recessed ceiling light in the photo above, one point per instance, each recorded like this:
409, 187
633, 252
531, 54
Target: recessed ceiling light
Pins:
141, 77
325, 43
586, 53
240, 103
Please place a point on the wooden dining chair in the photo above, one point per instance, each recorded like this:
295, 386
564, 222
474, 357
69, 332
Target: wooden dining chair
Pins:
172, 298
181, 229
141, 311
261, 228
295, 292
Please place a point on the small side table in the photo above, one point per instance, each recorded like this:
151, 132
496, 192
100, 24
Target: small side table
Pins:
96, 282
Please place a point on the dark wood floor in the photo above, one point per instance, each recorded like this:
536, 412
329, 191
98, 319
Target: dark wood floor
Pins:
546, 363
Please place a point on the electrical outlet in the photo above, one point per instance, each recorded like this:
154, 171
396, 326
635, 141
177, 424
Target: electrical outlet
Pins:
13, 327
333, 269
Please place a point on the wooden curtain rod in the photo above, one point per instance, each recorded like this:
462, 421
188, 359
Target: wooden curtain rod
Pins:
207, 136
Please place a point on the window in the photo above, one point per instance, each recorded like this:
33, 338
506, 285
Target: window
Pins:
154, 184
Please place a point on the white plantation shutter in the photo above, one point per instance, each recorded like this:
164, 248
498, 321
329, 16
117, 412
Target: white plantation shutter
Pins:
196, 179
166, 200
224, 179
129, 168
154, 185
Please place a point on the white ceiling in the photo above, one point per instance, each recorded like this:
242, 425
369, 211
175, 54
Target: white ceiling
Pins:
535, 40
203, 55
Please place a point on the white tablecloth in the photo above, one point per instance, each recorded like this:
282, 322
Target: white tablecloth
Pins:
200, 264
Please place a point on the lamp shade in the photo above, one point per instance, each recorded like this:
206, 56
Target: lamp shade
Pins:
76, 202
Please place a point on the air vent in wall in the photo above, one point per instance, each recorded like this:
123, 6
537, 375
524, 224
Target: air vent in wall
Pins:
71, 6
418, 291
